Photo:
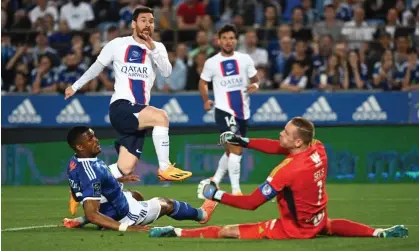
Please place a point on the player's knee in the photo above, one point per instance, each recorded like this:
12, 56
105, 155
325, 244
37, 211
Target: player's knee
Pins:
166, 206
163, 119
229, 231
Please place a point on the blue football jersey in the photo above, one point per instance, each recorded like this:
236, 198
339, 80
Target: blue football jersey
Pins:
90, 178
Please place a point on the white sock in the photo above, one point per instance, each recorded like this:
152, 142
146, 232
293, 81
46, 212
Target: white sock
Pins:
161, 144
178, 231
377, 232
115, 171
234, 172
221, 170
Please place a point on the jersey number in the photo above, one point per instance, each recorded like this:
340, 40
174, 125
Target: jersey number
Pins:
320, 186
230, 121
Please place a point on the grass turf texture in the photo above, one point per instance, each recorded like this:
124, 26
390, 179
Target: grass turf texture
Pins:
377, 205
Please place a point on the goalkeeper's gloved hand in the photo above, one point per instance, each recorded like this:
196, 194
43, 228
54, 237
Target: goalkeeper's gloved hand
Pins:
230, 137
207, 189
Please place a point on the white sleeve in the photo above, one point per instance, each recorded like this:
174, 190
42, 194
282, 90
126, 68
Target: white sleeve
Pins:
287, 81
106, 54
91, 73
251, 70
303, 82
206, 74
161, 59
89, 13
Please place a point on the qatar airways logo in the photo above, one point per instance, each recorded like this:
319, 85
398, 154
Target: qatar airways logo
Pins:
135, 72
232, 82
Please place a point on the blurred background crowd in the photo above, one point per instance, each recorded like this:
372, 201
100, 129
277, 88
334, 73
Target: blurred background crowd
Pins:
295, 44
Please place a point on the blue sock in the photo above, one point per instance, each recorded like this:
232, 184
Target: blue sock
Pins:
184, 211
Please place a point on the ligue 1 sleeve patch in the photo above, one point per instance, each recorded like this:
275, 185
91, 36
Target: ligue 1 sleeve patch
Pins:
97, 189
267, 190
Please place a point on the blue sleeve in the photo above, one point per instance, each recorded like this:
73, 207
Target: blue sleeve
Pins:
90, 181
376, 71
268, 191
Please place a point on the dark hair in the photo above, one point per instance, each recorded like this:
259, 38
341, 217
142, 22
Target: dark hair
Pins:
139, 11
227, 28
411, 50
73, 136
305, 129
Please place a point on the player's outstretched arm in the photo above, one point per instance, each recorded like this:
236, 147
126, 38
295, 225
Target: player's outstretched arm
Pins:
91, 211
263, 145
208, 190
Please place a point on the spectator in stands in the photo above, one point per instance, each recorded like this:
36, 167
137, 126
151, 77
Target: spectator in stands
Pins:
189, 14
268, 28
105, 12
377, 47
401, 52
194, 72
301, 57
357, 31
333, 76
202, 44
409, 72
182, 52
165, 15
296, 81
111, 33
77, 13
357, 72
125, 15
207, 26
92, 50
49, 24
282, 58
177, 80
70, 72
321, 51
264, 81
299, 31
310, 15
259, 55
384, 72
44, 78
42, 48
330, 26
392, 21
20, 83
61, 39
345, 10
78, 47
41, 9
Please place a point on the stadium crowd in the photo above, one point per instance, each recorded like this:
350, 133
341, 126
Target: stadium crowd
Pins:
295, 44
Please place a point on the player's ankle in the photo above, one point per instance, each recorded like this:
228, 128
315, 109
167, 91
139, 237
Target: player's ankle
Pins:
178, 231
202, 214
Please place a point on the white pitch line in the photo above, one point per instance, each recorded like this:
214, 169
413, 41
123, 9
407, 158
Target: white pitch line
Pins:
29, 228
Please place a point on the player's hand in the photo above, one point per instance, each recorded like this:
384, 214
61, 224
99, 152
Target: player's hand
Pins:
231, 138
129, 178
69, 92
137, 228
148, 41
207, 189
252, 88
208, 105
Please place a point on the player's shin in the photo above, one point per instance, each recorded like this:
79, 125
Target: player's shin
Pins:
221, 170
161, 144
234, 172
205, 232
347, 228
184, 211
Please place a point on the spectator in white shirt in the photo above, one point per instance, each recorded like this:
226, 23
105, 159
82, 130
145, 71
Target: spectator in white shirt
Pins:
357, 31
259, 55
41, 10
77, 13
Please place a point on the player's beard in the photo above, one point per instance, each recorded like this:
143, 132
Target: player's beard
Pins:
141, 31
228, 52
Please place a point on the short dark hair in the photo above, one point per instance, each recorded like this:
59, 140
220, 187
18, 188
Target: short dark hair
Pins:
140, 10
227, 28
73, 136
411, 50
305, 129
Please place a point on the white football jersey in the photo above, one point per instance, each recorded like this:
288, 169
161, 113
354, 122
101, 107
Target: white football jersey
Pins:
135, 67
230, 77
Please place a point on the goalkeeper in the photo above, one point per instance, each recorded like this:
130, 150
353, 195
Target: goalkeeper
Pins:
298, 183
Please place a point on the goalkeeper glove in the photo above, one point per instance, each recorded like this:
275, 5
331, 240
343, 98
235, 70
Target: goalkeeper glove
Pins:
207, 189
230, 137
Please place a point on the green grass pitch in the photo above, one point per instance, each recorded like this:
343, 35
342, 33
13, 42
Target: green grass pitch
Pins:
377, 205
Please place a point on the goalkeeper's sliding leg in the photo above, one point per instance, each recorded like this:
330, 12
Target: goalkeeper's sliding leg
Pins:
270, 230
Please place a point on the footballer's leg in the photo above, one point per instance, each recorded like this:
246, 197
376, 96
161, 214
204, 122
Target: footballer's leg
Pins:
347, 228
157, 118
180, 210
73, 204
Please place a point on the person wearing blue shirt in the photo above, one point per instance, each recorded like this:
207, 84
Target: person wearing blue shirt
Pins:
44, 78
91, 182
408, 75
70, 72
384, 72
358, 72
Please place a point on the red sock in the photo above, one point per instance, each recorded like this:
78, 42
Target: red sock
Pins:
205, 232
347, 228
